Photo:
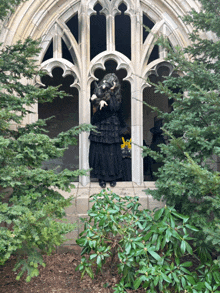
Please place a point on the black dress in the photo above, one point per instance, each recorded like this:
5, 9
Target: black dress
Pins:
105, 157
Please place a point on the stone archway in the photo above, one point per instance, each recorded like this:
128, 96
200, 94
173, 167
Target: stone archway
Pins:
70, 49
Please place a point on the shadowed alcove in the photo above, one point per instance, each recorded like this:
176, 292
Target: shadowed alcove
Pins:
65, 112
110, 66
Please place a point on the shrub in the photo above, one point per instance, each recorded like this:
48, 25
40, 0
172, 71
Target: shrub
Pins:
148, 247
188, 179
29, 207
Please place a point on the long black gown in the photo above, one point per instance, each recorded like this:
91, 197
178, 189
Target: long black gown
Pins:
105, 157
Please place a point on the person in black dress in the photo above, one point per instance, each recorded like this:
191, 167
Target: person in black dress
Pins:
105, 157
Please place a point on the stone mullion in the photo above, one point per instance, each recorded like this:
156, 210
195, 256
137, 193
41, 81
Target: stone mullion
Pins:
136, 105
163, 51
84, 105
57, 44
110, 32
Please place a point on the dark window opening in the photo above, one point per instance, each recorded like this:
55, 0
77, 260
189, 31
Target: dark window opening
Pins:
97, 32
152, 133
73, 26
123, 32
162, 71
65, 112
146, 23
110, 66
154, 54
49, 52
66, 53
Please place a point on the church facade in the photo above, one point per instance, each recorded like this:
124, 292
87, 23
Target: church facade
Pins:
83, 40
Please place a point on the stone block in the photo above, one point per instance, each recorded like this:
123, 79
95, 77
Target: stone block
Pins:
149, 184
124, 184
94, 185
72, 219
71, 210
139, 186
71, 237
125, 191
94, 191
83, 192
80, 186
153, 203
82, 204
140, 192
143, 200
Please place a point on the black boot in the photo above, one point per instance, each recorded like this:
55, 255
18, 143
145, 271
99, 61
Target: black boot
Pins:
113, 183
102, 183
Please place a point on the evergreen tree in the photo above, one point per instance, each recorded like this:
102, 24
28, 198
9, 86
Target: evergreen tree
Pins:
188, 179
29, 206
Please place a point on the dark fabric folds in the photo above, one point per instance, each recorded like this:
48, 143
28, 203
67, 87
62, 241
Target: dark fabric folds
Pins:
105, 157
108, 131
106, 161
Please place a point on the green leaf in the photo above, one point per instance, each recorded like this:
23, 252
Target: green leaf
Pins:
137, 283
127, 248
183, 281
168, 234
102, 222
186, 264
92, 256
147, 236
183, 246
190, 279
209, 277
156, 280
158, 214
111, 211
158, 243
89, 272
155, 255
172, 222
184, 218
166, 278
175, 277
216, 276
189, 248
199, 285
208, 286
192, 228
99, 261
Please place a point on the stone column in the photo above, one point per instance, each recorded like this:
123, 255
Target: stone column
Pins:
136, 98
84, 93
110, 32
57, 44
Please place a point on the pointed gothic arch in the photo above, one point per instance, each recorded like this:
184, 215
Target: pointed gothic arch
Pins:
50, 21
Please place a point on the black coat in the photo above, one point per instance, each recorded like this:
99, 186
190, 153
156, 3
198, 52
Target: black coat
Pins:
109, 122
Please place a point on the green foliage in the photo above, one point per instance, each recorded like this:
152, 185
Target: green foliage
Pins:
7, 6
188, 179
31, 208
150, 249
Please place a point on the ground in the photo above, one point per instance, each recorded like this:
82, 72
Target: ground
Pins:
59, 275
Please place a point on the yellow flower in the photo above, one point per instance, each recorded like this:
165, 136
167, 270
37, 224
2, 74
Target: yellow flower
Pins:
126, 143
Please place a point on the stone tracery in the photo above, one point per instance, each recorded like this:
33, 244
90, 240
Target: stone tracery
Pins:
48, 20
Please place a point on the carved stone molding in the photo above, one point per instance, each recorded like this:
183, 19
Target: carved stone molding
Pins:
99, 63
68, 69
